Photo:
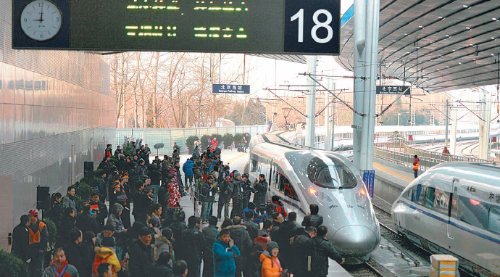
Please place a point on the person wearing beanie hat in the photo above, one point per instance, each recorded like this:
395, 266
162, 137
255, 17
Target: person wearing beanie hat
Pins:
106, 254
271, 266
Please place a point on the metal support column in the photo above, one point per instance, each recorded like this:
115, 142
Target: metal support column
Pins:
446, 124
366, 26
327, 118
484, 125
311, 102
359, 73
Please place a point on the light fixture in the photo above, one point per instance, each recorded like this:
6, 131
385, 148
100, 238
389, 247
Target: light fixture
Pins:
465, 6
494, 18
420, 26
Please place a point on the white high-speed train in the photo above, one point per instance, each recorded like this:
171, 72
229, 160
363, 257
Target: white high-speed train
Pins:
454, 208
301, 177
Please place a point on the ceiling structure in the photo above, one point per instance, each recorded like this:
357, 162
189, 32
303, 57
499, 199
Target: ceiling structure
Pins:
437, 45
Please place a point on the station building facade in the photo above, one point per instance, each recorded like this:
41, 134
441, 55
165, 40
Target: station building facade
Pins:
56, 112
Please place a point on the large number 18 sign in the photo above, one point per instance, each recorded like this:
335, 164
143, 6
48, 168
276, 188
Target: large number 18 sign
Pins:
312, 26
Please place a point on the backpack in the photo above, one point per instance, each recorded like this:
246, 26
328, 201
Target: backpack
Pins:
97, 262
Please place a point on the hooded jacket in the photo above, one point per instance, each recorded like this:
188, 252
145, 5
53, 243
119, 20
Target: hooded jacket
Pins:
106, 254
271, 266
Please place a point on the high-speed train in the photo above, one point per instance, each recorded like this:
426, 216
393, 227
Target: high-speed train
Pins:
301, 177
454, 208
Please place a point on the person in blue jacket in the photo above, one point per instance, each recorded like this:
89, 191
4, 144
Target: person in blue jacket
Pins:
225, 251
188, 172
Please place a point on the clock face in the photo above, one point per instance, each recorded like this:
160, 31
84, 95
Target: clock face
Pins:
41, 20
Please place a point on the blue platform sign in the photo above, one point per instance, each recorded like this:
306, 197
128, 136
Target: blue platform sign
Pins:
231, 89
369, 179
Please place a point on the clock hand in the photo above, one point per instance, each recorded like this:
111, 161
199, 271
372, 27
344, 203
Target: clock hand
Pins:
41, 14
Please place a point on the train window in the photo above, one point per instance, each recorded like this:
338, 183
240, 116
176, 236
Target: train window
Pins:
429, 197
473, 212
346, 177
254, 166
441, 201
287, 188
494, 219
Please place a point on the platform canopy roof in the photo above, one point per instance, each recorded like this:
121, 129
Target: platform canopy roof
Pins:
437, 45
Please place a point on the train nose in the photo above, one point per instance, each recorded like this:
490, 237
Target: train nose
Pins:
355, 240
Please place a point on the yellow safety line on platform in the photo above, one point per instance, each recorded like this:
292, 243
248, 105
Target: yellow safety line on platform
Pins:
236, 157
380, 167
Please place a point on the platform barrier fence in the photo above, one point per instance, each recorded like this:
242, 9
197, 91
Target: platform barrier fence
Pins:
179, 136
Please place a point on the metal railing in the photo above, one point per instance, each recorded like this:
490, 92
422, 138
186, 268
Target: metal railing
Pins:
152, 136
441, 157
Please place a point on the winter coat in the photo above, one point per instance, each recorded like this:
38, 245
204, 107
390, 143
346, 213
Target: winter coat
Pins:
86, 222
162, 270
20, 238
106, 254
322, 250
141, 259
312, 220
116, 223
259, 197
303, 248
74, 255
271, 266
162, 244
99, 211
224, 264
188, 168
209, 236
241, 238
71, 271
287, 230
69, 202
225, 191
193, 243
252, 228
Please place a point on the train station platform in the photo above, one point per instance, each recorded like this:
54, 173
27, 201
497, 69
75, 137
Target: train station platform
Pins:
391, 179
238, 161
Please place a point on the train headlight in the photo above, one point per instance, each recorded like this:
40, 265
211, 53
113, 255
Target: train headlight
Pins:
312, 191
362, 192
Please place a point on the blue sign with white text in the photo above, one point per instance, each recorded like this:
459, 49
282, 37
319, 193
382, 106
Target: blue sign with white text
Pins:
231, 89
369, 179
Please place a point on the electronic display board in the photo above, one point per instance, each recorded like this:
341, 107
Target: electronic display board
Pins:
232, 26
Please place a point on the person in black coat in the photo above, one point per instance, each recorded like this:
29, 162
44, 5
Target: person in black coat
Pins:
141, 255
210, 236
242, 240
66, 225
322, 250
86, 222
74, 251
162, 267
287, 230
98, 209
252, 227
20, 238
302, 248
193, 243
313, 219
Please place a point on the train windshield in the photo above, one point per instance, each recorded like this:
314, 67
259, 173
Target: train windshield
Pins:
329, 173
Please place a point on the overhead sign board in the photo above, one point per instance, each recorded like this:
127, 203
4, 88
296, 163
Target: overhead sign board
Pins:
393, 90
231, 89
238, 26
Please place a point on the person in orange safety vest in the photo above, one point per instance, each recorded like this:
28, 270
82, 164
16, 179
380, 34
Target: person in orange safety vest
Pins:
37, 240
416, 165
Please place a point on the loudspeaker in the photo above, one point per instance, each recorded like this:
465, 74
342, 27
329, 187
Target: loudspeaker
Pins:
42, 198
88, 168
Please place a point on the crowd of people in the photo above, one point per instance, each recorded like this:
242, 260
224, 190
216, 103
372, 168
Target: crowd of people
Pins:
151, 237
